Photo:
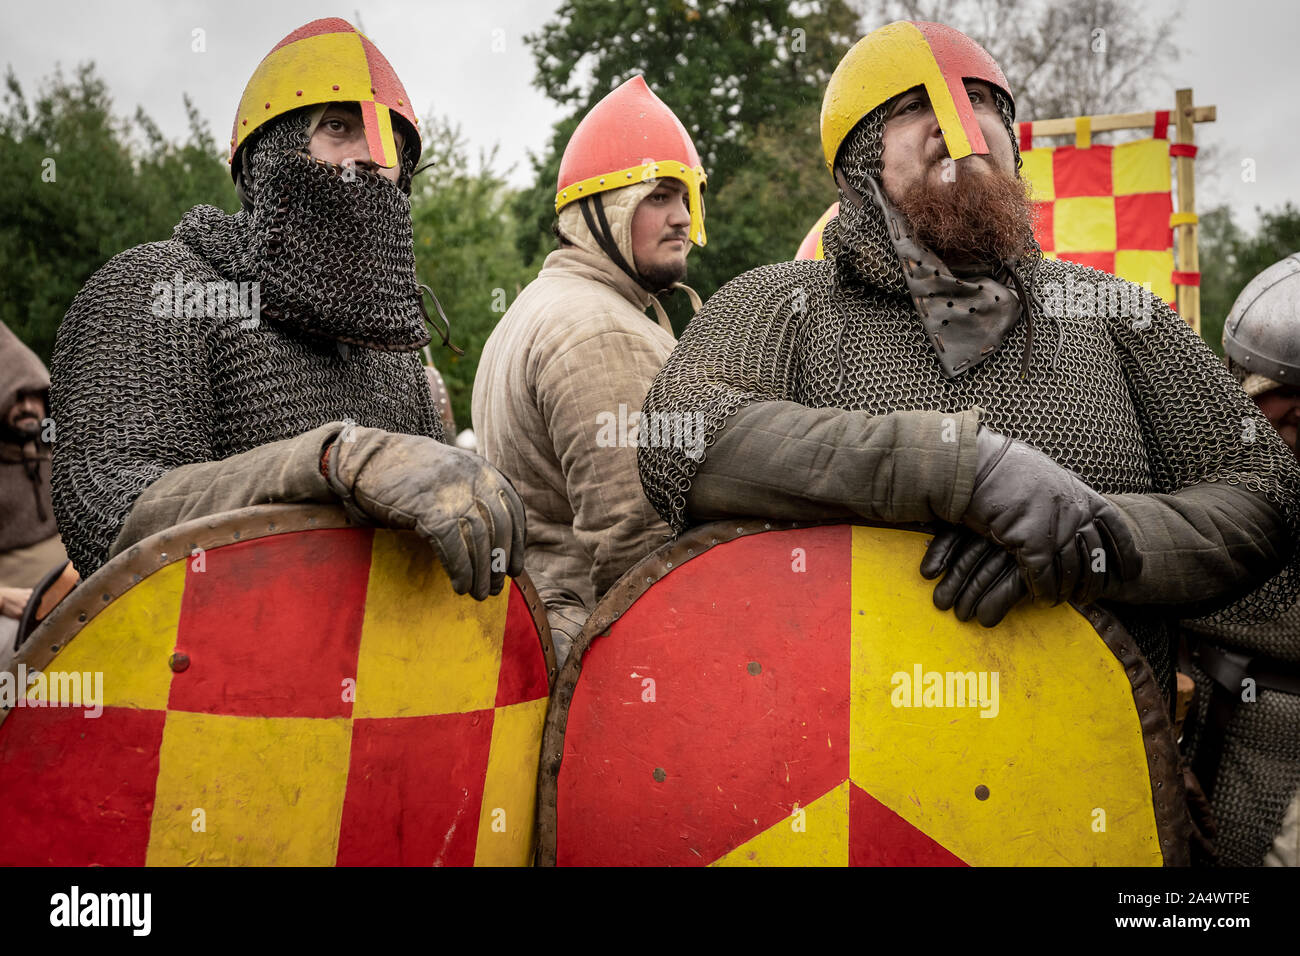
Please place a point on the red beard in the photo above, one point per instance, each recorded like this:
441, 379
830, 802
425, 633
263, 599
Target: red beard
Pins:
982, 216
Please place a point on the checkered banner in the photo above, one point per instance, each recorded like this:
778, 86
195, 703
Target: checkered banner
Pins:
1108, 207
310, 698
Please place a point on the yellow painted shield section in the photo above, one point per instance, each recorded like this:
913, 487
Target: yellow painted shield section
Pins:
417, 657
993, 751
815, 835
505, 826
243, 791
130, 641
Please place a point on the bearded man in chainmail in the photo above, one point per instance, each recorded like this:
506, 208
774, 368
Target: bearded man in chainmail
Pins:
272, 356
1244, 739
1066, 433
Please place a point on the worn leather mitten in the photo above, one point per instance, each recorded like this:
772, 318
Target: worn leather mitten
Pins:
982, 580
454, 499
1056, 527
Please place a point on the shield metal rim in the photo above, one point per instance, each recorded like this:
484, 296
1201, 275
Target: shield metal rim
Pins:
1157, 729
178, 543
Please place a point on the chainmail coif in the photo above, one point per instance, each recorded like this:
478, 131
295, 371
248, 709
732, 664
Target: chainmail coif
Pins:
1121, 391
333, 250
137, 393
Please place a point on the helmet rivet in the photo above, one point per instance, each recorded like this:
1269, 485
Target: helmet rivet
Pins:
629, 175
399, 102
579, 189
245, 122
602, 182
268, 106
336, 86
300, 92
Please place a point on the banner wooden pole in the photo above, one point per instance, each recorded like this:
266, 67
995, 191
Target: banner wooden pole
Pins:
1186, 259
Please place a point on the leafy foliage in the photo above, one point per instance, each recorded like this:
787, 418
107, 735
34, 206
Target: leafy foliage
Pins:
1230, 258
77, 192
465, 250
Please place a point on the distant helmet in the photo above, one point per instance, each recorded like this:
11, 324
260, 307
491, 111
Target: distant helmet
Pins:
327, 61
631, 136
898, 57
1261, 335
811, 247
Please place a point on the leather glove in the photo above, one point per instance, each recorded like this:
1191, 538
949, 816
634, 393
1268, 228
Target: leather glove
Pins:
982, 580
454, 499
1050, 521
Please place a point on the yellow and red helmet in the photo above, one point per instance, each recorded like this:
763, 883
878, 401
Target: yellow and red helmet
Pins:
326, 61
898, 57
631, 136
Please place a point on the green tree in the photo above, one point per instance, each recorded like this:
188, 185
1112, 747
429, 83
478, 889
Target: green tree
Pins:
78, 191
745, 77
1230, 258
465, 250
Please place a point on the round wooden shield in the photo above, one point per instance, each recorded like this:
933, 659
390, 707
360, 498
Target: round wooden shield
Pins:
755, 694
275, 687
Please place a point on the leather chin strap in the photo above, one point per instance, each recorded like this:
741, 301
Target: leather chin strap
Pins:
605, 239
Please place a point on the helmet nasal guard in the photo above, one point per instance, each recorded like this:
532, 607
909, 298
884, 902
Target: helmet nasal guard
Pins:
326, 61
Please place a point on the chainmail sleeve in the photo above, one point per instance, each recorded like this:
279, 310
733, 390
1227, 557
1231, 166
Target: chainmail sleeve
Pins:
130, 398
1200, 428
739, 349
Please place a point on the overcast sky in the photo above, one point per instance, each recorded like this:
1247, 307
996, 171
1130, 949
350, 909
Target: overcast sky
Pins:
1241, 55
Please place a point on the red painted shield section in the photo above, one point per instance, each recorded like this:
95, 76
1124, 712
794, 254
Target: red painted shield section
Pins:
716, 703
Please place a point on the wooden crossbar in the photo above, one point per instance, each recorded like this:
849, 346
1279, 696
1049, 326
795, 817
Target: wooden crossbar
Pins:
1114, 121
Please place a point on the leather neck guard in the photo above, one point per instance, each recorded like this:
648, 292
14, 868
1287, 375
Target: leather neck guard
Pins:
966, 319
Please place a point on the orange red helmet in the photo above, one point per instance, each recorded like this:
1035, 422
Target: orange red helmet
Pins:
631, 136
898, 57
326, 61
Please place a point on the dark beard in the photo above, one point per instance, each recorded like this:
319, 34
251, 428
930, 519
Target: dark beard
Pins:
22, 432
982, 217
662, 277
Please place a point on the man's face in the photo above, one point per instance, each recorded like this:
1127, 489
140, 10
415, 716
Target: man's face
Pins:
340, 138
1281, 407
26, 414
914, 148
660, 228
975, 210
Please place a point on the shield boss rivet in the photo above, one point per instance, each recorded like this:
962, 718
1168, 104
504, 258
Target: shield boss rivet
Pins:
981, 792
660, 775
755, 668
179, 662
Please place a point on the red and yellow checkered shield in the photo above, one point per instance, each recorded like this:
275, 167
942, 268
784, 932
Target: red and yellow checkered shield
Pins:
276, 687
792, 697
